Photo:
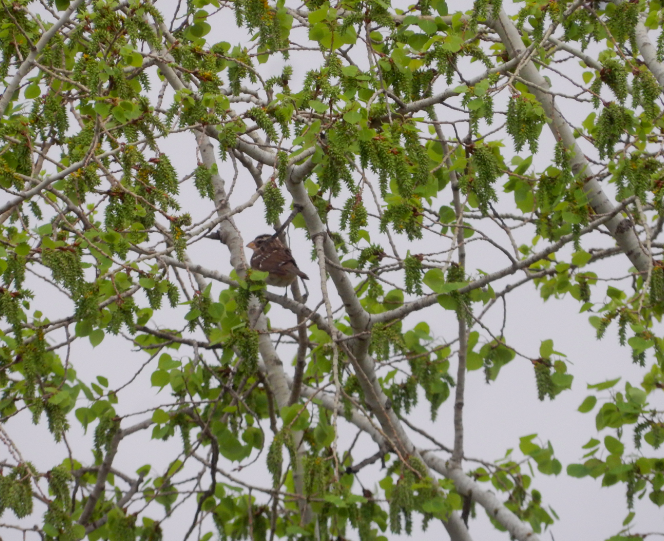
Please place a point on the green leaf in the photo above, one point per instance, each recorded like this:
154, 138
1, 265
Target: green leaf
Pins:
447, 302
577, 470
437, 506
45, 230
147, 282
253, 436
102, 109
85, 416
230, 447
613, 445
166, 362
440, 6
587, 76
453, 43
428, 26
119, 114
452, 286
199, 29
657, 497
22, 249
588, 404
32, 91
604, 385
59, 397
136, 59
61, 5
581, 258
192, 314
562, 381
83, 328
400, 58
474, 361
335, 500
318, 106
523, 166
350, 71
639, 344
321, 33
216, 310
571, 217
636, 395
393, 299
160, 417
652, 21
546, 349
589, 122
289, 414
160, 378
353, 117
318, 15
526, 445
595, 321
259, 276
217, 335
96, 337
324, 435
434, 279
475, 104
78, 531
591, 443
50, 530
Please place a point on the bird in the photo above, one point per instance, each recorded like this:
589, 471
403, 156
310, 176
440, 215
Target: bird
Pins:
271, 256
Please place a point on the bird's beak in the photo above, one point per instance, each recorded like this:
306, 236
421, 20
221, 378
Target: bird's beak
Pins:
251, 245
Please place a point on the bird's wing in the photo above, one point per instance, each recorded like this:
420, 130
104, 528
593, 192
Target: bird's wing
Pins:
294, 269
279, 262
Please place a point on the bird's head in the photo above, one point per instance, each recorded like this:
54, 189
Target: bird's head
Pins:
260, 240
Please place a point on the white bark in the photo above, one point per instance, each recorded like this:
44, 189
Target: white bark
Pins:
649, 53
230, 236
360, 321
620, 228
28, 63
464, 484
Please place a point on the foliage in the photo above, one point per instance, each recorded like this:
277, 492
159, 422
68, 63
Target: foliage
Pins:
442, 162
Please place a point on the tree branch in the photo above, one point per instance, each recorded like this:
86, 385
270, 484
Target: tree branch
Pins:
622, 231
28, 63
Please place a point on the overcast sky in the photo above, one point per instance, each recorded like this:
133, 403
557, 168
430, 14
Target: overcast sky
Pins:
496, 415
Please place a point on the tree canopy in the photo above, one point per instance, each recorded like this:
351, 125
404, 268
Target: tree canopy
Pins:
428, 162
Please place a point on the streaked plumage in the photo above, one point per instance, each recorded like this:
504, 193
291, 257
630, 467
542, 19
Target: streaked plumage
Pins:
270, 255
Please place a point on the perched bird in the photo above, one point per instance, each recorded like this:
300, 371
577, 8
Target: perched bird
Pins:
270, 255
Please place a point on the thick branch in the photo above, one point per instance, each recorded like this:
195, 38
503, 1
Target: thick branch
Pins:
464, 484
230, 236
101, 478
359, 318
649, 53
600, 203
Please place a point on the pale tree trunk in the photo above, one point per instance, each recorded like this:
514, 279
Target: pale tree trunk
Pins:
621, 228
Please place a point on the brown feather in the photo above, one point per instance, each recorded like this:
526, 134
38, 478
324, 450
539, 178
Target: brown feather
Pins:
271, 256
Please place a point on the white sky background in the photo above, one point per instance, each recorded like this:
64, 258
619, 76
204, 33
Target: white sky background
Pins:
495, 415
